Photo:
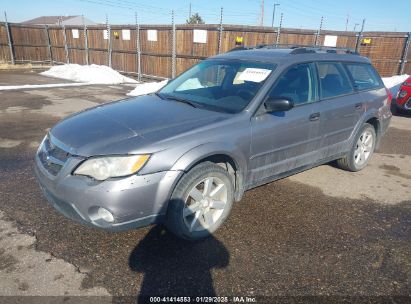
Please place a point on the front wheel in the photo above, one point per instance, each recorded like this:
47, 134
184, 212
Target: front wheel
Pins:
201, 202
361, 151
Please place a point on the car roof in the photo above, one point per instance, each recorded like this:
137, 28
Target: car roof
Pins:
292, 55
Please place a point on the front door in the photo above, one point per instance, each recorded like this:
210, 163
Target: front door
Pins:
283, 141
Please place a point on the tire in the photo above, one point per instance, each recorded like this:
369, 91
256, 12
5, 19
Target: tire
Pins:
352, 160
201, 202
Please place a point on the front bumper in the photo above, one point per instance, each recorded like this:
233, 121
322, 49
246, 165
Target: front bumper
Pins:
134, 201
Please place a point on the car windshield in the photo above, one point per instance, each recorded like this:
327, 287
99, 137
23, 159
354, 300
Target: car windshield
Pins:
219, 85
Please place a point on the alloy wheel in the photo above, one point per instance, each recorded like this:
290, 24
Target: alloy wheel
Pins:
363, 148
205, 204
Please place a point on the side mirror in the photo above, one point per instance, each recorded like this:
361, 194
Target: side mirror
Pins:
279, 104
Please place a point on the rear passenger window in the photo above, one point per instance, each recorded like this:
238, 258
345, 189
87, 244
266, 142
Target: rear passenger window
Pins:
364, 76
296, 84
334, 81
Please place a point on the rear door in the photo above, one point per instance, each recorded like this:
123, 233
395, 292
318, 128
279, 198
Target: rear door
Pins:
283, 141
340, 108
369, 84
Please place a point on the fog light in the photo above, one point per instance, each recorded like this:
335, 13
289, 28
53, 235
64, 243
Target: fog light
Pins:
402, 94
105, 215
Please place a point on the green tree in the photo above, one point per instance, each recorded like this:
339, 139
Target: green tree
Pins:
195, 19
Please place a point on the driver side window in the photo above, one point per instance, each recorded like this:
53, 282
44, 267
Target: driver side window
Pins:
296, 84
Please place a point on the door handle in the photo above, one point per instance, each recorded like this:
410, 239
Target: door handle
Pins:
358, 106
315, 116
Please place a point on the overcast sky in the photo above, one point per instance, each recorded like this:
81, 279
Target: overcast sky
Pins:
391, 15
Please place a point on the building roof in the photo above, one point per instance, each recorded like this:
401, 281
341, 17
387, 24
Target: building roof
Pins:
48, 19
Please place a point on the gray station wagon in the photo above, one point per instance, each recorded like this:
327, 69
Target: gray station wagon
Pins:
235, 121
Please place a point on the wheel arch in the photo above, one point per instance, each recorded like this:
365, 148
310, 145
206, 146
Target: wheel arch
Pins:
370, 118
222, 154
375, 122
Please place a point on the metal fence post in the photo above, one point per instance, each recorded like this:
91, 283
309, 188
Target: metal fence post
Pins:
109, 45
65, 43
85, 30
220, 31
9, 41
279, 30
405, 53
359, 37
173, 47
317, 36
138, 49
46, 31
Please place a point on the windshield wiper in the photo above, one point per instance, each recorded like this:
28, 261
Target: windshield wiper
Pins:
182, 100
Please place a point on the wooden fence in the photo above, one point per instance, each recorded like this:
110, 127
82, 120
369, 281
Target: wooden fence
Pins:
148, 50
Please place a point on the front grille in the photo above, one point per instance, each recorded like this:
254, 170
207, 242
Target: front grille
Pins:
52, 157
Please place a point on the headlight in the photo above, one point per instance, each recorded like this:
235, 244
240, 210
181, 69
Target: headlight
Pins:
102, 168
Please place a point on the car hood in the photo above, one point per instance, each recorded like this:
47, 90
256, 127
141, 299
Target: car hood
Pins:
129, 125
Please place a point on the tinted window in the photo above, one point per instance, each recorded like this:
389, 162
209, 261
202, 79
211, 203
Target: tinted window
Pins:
364, 76
334, 80
220, 85
296, 84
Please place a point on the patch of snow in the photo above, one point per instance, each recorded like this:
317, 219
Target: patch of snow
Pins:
42, 86
393, 83
92, 74
147, 88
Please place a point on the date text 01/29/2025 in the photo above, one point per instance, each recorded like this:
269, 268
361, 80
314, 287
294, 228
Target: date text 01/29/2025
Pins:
233, 299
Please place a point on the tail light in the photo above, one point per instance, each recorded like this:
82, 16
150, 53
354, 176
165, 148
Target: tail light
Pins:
389, 96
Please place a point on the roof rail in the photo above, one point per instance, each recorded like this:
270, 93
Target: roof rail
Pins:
240, 48
266, 46
337, 50
325, 49
300, 49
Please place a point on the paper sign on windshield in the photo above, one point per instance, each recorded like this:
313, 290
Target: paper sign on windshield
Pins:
254, 74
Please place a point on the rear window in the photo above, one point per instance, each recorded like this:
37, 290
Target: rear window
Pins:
334, 80
364, 76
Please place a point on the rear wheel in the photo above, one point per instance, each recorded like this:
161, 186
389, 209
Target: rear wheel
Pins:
361, 151
201, 202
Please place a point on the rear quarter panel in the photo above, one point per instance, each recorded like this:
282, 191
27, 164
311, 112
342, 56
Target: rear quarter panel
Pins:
377, 105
